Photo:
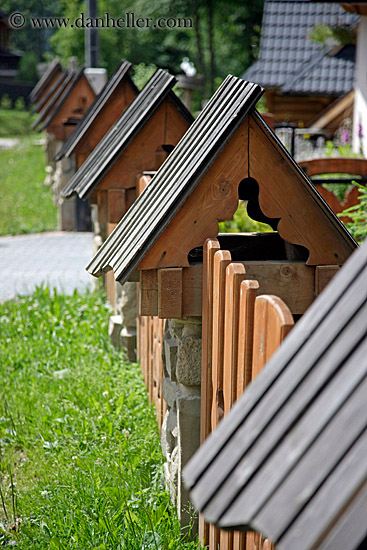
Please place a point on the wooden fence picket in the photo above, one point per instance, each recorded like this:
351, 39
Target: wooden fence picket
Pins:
222, 259
273, 321
210, 248
248, 291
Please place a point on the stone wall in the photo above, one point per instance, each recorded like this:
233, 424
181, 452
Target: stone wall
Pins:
181, 390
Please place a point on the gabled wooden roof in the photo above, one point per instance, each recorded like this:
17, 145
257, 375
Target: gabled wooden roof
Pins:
123, 132
59, 80
285, 192
56, 105
289, 460
45, 79
63, 86
120, 73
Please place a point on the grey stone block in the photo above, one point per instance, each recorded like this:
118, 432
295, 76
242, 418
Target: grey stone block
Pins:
169, 392
170, 355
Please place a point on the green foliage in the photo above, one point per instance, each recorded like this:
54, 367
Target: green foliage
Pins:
15, 122
141, 73
5, 102
358, 215
27, 69
327, 35
242, 223
224, 37
26, 205
80, 460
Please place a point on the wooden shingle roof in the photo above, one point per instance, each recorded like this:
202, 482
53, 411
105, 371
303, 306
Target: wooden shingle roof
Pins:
289, 460
45, 79
123, 132
75, 76
63, 86
120, 73
59, 80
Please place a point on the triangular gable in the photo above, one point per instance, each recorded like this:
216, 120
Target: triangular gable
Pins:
197, 186
123, 132
289, 459
77, 77
119, 77
48, 76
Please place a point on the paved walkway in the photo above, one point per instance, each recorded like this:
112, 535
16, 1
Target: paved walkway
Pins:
57, 259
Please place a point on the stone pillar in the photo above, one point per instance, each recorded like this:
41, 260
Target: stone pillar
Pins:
123, 325
181, 391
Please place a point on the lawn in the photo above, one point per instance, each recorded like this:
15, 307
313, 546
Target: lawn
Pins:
80, 458
26, 205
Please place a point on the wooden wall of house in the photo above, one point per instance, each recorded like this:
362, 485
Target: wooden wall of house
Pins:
300, 110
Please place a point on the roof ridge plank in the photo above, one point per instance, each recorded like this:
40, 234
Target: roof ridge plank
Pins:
45, 79
119, 136
75, 77
190, 159
40, 105
63, 85
120, 72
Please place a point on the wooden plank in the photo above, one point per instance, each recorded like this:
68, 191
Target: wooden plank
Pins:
235, 274
323, 276
292, 282
273, 321
116, 204
338, 489
285, 194
220, 262
222, 259
210, 248
336, 300
248, 293
297, 460
350, 525
170, 282
289, 397
148, 299
143, 182
286, 388
192, 291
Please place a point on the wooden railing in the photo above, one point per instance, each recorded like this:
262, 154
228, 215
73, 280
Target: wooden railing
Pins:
353, 166
241, 330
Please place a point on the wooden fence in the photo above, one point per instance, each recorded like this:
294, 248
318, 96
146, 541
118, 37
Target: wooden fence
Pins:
241, 330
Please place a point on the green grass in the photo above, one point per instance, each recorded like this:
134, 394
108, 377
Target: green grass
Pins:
80, 458
26, 205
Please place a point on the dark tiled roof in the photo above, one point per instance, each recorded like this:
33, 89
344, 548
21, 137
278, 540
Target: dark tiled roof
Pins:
122, 132
47, 76
289, 460
176, 179
120, 73
57, 104
289, 61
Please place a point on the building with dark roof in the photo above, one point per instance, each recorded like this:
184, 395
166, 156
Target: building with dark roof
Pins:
302, 78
